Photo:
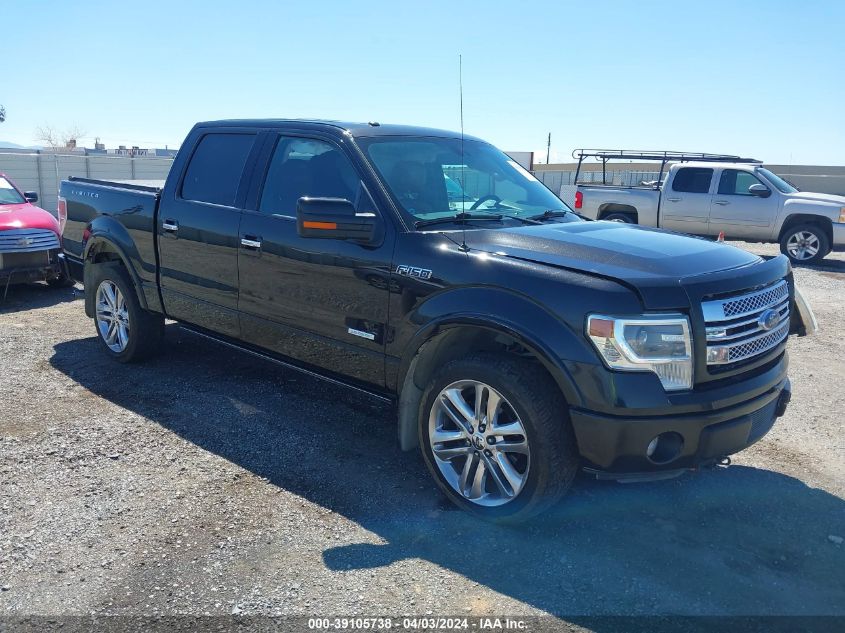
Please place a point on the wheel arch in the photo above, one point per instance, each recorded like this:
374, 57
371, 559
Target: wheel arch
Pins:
453, 337
616, 207
99, 249
796, 219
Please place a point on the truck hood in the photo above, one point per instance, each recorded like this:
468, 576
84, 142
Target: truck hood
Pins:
26, 216
657, 264
816, 197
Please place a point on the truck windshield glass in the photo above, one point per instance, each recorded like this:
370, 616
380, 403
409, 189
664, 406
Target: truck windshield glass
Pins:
8, 194
779, 183
429, 179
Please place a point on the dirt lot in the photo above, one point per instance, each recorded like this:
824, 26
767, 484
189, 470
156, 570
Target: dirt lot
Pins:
207, 482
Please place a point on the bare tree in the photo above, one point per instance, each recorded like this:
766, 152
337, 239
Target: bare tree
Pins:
72, 135
48, 135
56, 139
2, 113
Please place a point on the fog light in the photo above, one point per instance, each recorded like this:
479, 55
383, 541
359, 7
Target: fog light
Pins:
665, 447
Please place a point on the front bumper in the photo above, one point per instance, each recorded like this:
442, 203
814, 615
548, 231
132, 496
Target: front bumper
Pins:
30, 266
619, 444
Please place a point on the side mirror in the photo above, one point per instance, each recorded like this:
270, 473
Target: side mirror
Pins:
333, 218
761, 191
30, 196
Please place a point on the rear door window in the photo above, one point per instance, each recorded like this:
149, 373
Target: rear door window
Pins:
216, 167
692, 180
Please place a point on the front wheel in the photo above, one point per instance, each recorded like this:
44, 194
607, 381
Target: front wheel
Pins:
126, 331
495, 436
805, 244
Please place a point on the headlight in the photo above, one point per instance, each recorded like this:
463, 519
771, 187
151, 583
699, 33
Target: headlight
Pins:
660, 344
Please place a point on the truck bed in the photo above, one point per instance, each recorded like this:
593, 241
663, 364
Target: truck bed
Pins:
151, 186
114, 208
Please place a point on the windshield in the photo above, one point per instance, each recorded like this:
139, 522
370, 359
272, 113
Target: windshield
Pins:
430, 178
8, 194
779, 183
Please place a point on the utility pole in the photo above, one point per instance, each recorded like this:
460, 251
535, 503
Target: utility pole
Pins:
548, 148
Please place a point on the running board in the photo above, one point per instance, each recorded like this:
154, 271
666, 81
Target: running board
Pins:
286, 365
630, 478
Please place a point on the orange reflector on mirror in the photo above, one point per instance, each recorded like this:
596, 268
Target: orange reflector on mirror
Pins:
319, 225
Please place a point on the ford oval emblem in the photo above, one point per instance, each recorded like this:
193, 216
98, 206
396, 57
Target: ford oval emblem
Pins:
768, 319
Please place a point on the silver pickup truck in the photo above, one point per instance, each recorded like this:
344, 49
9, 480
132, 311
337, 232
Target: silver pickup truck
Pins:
716, 194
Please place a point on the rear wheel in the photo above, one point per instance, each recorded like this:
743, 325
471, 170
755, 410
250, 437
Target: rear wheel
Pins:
495, 436
618, 216
805, 244
126, 331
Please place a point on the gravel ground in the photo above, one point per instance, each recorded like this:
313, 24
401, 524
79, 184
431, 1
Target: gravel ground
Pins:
207, 482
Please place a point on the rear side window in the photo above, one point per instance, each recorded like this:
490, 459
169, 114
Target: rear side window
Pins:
692, 180
736, 183
216, 168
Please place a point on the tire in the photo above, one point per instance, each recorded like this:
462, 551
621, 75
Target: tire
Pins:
805, 244
143, 330
625, 218
531, 407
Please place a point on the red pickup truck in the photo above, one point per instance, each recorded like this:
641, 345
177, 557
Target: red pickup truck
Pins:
30, 240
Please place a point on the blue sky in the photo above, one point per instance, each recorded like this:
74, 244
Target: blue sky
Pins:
765, 79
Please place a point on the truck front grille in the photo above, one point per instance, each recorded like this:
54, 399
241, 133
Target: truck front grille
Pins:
28, 240
742, 327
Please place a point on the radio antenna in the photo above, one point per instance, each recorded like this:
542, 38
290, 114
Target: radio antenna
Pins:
464, 246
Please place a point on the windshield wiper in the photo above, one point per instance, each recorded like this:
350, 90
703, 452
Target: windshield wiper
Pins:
458, 217
551, 213
557, 213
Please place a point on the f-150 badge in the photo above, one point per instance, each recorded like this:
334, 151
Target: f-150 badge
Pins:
413, 271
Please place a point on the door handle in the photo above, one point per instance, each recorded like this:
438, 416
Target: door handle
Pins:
721, 203
249, 241
673, 199
171, 226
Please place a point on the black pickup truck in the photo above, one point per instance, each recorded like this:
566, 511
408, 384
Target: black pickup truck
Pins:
518, 341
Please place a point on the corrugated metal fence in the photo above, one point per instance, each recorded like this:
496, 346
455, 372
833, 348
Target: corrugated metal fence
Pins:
42, 173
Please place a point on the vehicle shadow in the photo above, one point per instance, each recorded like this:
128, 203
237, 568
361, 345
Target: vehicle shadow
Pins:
20, 297
735, 541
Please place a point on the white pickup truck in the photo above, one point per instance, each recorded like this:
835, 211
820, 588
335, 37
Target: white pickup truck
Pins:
714, 193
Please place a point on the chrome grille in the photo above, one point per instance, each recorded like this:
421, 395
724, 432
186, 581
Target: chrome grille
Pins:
28, 240
745, 326
759, 344
733, 307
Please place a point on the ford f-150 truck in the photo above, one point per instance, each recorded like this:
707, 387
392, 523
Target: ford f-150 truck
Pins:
709, 194
518, 341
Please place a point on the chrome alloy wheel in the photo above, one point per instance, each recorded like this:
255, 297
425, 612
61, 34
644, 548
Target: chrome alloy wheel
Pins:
112, 316
479, 443
802, 245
